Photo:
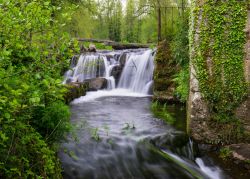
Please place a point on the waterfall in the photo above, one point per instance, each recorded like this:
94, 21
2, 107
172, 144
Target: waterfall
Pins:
136, 75
90, 66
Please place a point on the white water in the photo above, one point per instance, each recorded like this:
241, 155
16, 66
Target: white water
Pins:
208, 171
91, 66
136, 78
92, 95
137, 74
135, 81
212, 172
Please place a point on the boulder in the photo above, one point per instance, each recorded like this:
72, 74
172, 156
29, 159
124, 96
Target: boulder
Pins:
83, 49
92, 48
75, 90
151, 89
116, 73
97, 84
123, 59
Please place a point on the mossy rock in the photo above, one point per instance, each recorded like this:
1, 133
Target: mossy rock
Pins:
165, 69
75, 90
162, 84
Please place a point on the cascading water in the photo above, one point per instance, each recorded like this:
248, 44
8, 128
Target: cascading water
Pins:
90, 66
118, 135
137, 74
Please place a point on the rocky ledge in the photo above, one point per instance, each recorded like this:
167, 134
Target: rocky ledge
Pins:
240, 155
78, 89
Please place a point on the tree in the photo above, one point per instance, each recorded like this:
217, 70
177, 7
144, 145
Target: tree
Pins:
130, 21
118, 21
32, 45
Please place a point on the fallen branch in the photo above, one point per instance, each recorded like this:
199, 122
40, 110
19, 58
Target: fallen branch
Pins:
116, 45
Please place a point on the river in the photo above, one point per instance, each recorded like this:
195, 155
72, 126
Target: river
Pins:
117, 136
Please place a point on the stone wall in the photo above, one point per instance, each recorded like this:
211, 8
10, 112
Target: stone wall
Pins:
198, 123
243, 112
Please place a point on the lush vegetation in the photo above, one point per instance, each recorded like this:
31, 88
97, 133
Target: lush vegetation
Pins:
171, 77
36, 40
218, 55
161, 112
36, 45
145, 21
180, 54
33, 116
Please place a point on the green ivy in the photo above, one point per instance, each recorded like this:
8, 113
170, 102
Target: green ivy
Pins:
218, 55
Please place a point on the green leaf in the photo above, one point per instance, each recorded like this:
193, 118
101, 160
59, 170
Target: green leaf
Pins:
7, 115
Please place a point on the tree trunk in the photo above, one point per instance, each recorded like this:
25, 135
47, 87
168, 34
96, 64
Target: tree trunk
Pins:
159, 23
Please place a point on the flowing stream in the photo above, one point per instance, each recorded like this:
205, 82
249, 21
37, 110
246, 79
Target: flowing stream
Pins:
117, 136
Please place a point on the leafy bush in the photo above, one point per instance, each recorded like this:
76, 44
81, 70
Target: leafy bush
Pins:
55, 121
33, 53
180, 43
180, 53
182, 84
24, 154
225, 153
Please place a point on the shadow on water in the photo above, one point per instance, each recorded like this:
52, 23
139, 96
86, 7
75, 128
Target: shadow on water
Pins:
120, 138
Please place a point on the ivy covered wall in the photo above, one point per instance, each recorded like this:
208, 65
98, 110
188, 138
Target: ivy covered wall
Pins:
218, 84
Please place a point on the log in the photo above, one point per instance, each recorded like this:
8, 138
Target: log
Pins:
116, 45
94, 40
121, 46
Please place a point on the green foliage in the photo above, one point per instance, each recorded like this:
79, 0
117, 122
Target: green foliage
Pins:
24, 154
218, 54
137, 22
130, 21
161, 112
171, 75
99, 46
128, 128
54, 122
182, 84
179, 44
95, 135
180, 53
115, 20
165, 68
32, 45
82, 23
225, 153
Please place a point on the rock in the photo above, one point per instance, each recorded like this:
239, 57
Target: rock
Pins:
83, 49
116, 73
92, 48
74, 61
75, 90
241, 151
97, 84
151, 89
165, 98
240, 155
69, 80
123, 59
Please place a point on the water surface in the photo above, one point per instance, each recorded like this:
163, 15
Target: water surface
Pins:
119, 137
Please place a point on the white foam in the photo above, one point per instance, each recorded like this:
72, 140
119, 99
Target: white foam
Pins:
213, 172
93, 95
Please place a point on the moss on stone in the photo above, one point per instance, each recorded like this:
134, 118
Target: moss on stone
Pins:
165, 69
75, 90
218, 56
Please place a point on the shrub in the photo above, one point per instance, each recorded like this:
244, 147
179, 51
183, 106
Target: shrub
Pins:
182, 84
55, 121
24, 154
